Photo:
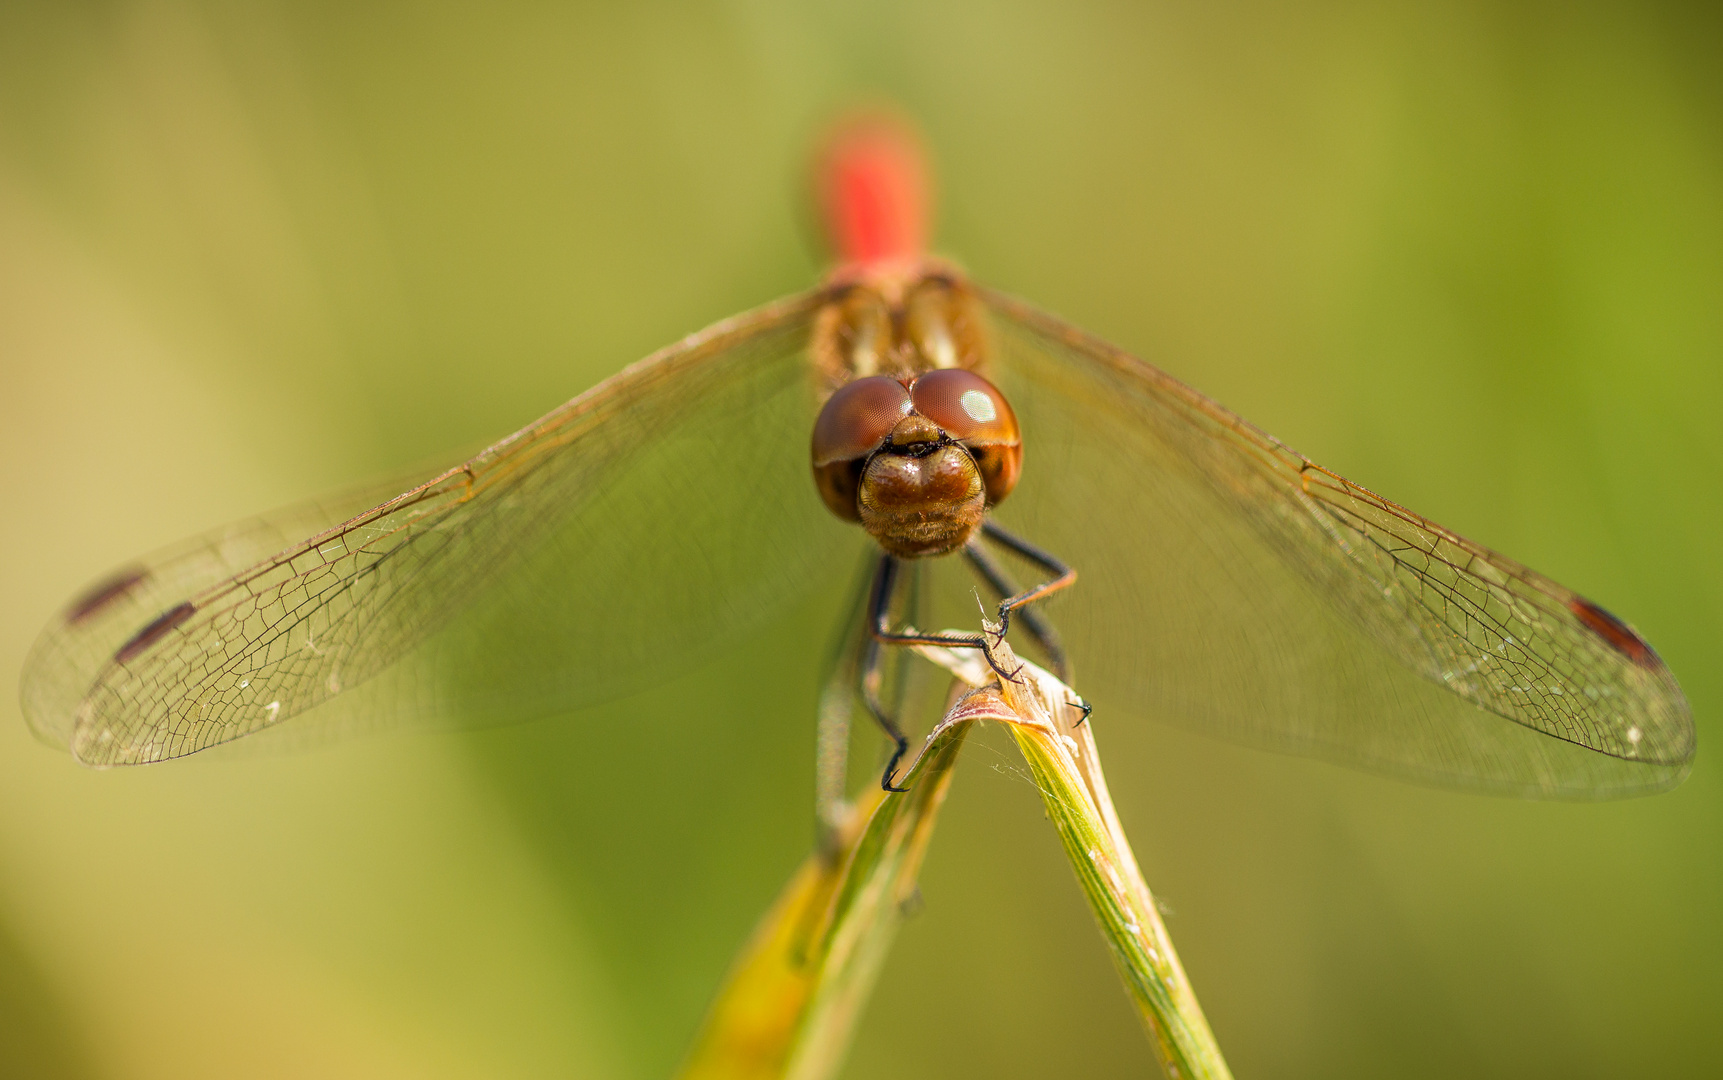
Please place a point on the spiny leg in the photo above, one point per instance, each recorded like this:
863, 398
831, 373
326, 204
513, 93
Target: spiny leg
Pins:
1087, 710
1063, 575
880, 621
879, 613
1038, 628
885, 586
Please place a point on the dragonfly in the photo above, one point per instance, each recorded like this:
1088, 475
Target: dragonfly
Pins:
1204, 573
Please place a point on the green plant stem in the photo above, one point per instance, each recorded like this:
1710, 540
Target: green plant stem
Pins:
791, 1001
789, 1005
1045, 718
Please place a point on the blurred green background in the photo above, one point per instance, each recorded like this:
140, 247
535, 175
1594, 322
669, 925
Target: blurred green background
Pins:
1470, 255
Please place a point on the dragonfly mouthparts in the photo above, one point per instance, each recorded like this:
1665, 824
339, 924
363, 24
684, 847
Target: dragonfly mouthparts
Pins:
918, 449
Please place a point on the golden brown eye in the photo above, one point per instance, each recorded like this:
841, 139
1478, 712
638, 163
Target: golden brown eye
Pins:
858, 418
973, 411
969, 408
855, 421
999, 466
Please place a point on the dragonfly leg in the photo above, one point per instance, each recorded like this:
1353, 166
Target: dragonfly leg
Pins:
870, 679
1063, 575
880, 621
879, 608
1039, 628
1087, 709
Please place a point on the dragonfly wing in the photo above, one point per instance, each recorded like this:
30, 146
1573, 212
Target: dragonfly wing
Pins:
111, 610
502, 577
1232, 585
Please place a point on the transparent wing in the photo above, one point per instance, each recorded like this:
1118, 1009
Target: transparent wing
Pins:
666, 505
1232, 585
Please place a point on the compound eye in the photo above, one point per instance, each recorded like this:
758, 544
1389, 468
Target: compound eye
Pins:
973, 411
967, 407
858, 417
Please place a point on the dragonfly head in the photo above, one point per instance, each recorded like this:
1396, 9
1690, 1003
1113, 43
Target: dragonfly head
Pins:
917, 462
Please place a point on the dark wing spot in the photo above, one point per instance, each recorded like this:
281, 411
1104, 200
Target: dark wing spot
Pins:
104, 594
158, 627
1614, 631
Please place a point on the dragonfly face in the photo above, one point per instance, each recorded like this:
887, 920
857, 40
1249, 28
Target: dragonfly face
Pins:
919, 456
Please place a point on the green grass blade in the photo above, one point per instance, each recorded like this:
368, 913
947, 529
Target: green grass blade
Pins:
790, 1002
1040, 712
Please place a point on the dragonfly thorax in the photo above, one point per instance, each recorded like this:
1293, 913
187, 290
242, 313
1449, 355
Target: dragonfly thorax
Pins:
897, 319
